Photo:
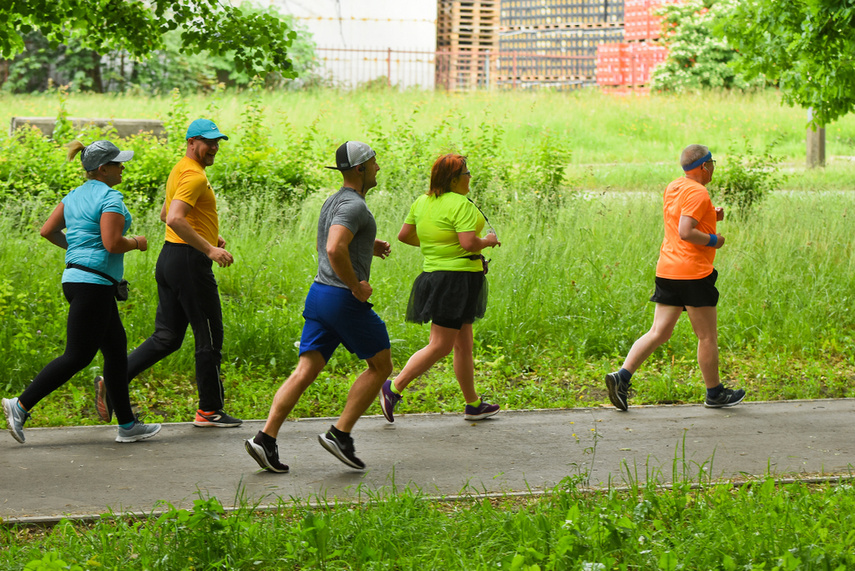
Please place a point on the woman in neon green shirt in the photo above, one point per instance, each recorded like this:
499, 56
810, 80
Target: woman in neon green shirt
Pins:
451, 292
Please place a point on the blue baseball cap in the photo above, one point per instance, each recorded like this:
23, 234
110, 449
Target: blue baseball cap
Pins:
204, 128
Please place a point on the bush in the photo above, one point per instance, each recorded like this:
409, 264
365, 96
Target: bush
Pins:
746, 178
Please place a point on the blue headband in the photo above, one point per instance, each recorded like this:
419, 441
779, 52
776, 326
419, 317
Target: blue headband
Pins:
704, 159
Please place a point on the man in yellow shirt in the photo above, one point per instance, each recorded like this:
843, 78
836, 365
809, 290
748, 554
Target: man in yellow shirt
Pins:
186, 286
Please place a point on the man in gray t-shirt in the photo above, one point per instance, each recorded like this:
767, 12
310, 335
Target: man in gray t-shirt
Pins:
337, 312
347, 209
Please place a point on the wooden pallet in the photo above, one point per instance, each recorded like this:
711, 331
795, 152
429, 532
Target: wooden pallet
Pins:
469, 27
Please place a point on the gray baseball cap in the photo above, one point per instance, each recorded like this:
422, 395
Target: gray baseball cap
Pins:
100, 153
352, 154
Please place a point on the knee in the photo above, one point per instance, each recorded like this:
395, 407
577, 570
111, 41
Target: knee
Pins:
168, 340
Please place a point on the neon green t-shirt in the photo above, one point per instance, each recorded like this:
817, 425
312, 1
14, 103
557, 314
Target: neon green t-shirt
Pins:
437, 221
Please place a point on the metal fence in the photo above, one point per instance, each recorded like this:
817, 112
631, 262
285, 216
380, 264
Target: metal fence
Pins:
461, 70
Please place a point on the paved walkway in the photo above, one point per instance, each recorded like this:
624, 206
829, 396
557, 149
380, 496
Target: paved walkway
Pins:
81, 471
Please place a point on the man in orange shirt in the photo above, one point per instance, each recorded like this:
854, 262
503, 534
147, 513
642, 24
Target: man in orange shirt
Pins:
186, 287
685, 280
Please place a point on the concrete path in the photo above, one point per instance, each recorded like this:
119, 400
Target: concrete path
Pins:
82, 472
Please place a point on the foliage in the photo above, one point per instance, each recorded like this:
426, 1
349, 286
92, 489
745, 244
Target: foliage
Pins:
255, 166
170, 67
696, 58
805, 46
257, 41
756, 525
747, 178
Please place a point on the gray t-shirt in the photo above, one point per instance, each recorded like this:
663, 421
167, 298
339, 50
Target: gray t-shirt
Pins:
346, 208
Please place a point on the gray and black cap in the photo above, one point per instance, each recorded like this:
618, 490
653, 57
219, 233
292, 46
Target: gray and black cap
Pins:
352, 154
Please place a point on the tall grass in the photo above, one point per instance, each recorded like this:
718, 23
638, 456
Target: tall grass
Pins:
569, 294
759, 525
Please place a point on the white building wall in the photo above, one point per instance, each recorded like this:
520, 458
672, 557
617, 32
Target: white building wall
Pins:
354, 38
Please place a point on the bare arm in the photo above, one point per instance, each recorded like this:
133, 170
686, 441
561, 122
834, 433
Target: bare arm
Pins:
472, 243
177, 220
408, 235
112, 225
52, 228
338, 241
163, 212
691, 234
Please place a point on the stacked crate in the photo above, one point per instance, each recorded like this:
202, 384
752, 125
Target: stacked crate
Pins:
554, 42
631, 64
466, 36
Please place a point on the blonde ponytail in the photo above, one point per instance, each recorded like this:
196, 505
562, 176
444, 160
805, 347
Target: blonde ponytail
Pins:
74, 147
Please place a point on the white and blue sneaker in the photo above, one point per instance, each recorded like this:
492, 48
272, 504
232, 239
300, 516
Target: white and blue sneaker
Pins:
137, 432
15, 418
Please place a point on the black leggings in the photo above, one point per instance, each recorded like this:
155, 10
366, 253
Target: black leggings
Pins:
93, 324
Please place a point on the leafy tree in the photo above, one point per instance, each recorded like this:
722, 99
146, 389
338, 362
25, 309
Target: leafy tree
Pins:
806, 46
696, 58
257, 41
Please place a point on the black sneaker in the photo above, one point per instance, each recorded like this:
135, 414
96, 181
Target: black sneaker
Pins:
618, 390
726, 398
342, 448
267, 457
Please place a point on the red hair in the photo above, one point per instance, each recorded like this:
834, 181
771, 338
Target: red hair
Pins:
445, 169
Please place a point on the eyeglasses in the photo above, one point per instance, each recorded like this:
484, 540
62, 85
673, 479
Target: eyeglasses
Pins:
466, 173
112, 164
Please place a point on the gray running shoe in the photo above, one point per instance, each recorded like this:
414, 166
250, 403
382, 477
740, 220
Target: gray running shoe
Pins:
342, 448
726, 398
137, 432
618, 390
267, 458
15, 418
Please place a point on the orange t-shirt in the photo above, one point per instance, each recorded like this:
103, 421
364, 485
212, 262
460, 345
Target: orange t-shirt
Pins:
678, 259
188, 183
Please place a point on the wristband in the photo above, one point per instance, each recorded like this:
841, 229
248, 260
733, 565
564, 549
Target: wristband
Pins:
137, 242
713, 241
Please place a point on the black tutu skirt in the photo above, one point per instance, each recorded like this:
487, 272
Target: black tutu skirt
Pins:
448, 299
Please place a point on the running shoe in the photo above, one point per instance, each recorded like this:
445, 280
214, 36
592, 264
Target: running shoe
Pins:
618, 390
342, 448
266, 456
103, 406
388, 400
480, 412
15, 418
216, 419
726, 398
139, 431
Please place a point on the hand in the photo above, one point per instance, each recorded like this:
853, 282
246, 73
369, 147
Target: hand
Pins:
223, 258
382, 249
719, 213
363, 291
720, 242
492, 240
221, 243
142, 243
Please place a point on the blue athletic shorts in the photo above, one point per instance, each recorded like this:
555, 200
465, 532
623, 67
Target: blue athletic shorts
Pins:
335, 317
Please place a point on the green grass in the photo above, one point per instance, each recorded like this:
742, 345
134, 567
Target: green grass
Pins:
568, 297
756, 526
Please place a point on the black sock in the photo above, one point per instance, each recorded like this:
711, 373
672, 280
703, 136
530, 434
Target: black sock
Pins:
338, 433
625, 375
715, 391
